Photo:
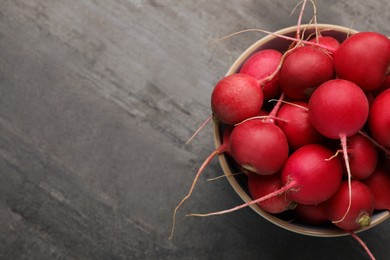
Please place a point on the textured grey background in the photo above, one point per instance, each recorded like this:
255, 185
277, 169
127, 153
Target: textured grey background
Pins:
97, 99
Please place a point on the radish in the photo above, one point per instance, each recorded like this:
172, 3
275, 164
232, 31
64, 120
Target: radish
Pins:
364, 59
259, 146
359, 211
304, 69
339, 109
363, 157
308, 177
385, 85
262, 65
235, 98
379, 183
311, 214
261, 185
296, 126
379, 119
328, 41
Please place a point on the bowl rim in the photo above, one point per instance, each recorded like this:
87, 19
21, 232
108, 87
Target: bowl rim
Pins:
299, 228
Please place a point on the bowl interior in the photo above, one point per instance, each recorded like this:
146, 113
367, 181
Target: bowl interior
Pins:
239, 182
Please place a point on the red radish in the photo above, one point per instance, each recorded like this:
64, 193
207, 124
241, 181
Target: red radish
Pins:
223, 148
360, 210
261, 185
328, 41
259, 146
364, 59
304, 69
385, 85
379, 119
235, 98
338, 108
296, 126
311, 214
363, 157
262, 65
308, 178
379, 183
311, 176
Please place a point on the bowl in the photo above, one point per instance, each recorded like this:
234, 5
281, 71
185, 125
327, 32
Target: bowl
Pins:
239, 182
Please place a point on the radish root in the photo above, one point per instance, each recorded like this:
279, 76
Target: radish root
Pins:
205, 163
200, 128
361, 242
372, 140
285, 188
343, 139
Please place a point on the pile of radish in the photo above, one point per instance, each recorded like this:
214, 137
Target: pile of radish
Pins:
322, 151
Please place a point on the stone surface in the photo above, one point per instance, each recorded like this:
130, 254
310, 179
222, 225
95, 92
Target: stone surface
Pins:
97, 100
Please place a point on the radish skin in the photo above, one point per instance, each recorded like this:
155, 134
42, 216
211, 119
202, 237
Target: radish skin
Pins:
235, 98
359, 211
262, 65
259, 146
379, 183
379, 119
364, 59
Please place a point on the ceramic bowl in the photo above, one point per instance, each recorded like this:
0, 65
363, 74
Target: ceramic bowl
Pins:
239, 182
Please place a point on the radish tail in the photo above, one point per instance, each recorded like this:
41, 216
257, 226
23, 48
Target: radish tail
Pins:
285, 188
372, 140
276, 108
360, 241
280, 36
343, 139
200, 128
203, 166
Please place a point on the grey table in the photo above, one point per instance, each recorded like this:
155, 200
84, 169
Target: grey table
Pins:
97, 99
